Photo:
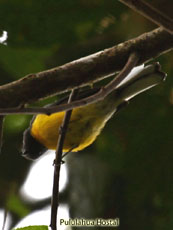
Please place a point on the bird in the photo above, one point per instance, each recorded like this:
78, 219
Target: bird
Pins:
86, 122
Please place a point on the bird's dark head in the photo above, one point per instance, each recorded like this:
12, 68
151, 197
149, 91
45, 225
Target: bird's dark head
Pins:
31, 149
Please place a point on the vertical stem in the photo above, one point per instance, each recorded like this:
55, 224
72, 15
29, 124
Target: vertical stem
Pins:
5, 218
57, 164
1, 130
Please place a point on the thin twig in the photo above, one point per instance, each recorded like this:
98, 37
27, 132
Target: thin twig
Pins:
1, 131
133, 58
5, 218
57, 164
151, 13
132, 61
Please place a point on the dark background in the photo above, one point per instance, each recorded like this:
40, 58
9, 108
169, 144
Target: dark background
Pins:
127, 172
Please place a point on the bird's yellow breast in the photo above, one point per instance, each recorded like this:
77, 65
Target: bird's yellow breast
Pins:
84, 126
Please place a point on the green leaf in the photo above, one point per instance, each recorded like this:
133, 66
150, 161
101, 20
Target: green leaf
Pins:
34, 227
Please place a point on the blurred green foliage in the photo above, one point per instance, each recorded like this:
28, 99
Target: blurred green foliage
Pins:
15, 205
127, 172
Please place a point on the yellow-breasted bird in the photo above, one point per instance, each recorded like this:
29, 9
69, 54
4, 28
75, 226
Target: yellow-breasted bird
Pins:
86, 122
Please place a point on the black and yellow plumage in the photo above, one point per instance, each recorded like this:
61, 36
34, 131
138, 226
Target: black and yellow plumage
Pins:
86, 122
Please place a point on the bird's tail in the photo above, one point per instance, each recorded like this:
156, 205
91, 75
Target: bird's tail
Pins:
139, 81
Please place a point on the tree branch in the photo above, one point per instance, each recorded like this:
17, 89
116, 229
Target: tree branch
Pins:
84, 71
57, 164
148, 11
100, 95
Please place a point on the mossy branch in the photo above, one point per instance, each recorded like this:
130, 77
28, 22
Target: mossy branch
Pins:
84, 71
